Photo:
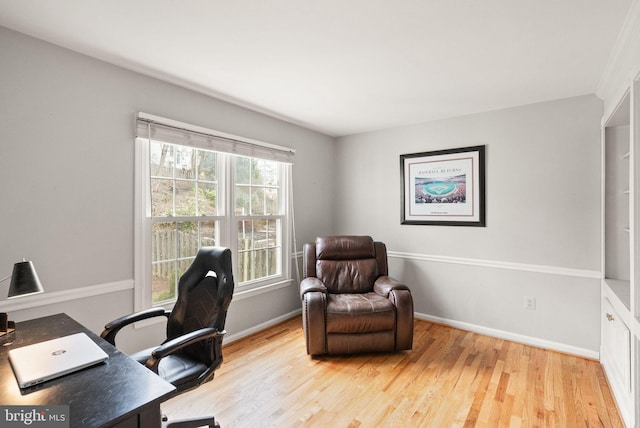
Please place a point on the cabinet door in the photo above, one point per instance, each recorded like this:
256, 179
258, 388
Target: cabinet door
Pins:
616, 348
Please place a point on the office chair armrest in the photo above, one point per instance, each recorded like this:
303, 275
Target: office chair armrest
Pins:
386, 284
111, 329
311, 284
178, 343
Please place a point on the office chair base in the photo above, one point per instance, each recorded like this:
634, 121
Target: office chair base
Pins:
206, 421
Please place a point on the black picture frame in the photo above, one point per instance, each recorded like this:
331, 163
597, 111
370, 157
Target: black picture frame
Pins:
443, 187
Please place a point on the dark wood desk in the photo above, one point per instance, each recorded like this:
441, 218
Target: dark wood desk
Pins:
120, 392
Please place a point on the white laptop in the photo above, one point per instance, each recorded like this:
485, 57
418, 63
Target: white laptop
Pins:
37, 363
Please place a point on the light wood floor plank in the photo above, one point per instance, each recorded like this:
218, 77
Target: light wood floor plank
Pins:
452, 378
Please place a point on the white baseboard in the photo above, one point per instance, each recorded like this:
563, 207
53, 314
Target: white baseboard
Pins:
513, 337
263, 326
500, 334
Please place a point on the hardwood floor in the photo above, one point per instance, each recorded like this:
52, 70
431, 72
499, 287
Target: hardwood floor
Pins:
451, 378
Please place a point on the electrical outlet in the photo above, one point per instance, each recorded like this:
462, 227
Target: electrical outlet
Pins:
530, 303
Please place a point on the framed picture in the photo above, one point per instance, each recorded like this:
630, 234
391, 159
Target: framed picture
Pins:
444, 187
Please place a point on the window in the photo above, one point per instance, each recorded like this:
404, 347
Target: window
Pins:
197, 188
184, 187
259, 218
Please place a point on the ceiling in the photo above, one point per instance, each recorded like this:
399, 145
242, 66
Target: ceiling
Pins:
344, 66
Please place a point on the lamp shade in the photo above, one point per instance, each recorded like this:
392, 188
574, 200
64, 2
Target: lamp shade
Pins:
24, 280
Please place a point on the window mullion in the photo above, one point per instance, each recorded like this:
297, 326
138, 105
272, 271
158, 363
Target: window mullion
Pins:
231, 229
177, 252
196, 183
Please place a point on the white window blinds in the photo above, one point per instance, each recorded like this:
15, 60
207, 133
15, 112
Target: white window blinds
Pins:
174, 132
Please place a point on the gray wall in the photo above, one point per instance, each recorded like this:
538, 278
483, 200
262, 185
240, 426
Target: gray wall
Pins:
67, 174
542, 237
66, 167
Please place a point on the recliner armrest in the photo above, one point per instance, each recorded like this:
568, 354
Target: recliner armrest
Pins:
386, 284
311, 284
111, 329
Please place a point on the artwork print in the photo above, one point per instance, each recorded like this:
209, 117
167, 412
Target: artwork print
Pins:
443, 187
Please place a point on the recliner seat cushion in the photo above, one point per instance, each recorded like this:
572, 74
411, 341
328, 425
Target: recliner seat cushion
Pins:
359, 313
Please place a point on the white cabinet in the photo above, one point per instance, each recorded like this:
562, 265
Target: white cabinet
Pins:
620, 317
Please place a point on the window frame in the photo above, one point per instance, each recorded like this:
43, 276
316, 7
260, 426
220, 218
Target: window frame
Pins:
284, 278
227, 221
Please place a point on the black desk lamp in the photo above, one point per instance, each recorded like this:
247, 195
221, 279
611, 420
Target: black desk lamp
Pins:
24, 281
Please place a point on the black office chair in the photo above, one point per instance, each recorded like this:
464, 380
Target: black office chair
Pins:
195, 327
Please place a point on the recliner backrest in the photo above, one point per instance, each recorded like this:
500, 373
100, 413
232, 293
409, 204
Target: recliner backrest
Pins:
347, 264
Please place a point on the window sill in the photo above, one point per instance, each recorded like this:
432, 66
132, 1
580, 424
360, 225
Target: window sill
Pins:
242, 293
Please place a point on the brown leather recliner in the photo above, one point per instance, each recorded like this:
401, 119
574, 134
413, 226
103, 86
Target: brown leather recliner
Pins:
349, 303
